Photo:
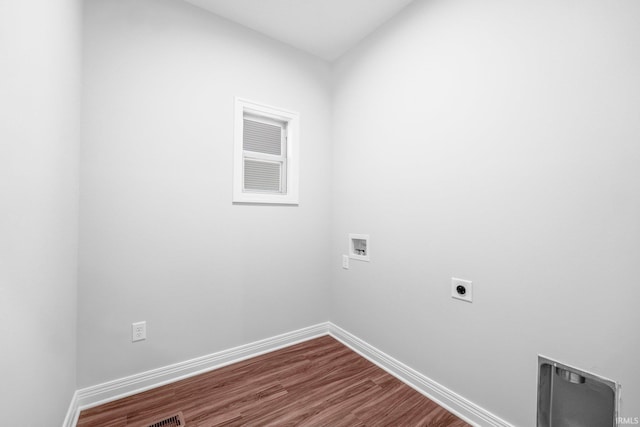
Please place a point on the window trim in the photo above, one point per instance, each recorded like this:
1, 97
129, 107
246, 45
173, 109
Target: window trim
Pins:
245, 106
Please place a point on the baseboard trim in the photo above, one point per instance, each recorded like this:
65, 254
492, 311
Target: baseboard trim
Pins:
71, 419
453, 402
113, 390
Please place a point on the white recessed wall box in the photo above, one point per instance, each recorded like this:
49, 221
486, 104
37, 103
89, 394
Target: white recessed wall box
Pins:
359, 247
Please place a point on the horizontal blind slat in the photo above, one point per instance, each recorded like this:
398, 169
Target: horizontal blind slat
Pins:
262, 176
262, 137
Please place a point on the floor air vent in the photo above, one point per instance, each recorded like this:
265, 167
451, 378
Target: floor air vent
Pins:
176, 420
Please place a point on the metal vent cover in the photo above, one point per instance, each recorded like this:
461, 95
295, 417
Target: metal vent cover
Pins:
176, 420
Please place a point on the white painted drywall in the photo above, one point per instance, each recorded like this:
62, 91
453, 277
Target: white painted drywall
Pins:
497, 142
40, 47
325, 28
160, 239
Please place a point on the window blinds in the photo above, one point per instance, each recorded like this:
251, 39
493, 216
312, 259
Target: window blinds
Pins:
264, 156
262, 137
262, 176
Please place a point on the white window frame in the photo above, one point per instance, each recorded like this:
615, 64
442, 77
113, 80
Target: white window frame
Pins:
290, 157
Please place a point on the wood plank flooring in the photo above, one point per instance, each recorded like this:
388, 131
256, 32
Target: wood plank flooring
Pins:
316, 383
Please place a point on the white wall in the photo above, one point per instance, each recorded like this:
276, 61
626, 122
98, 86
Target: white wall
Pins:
39, 145
159, 238
517, 129
497, 142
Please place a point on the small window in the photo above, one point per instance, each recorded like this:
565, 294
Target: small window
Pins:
265, 155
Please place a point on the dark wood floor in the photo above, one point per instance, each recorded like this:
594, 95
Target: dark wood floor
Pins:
316, 383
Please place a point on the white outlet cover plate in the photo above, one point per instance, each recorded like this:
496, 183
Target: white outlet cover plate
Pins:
138, 331
468, 285
345, 262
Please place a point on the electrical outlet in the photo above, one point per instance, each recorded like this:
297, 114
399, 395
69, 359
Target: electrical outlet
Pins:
462, 289
345, 262
138, 331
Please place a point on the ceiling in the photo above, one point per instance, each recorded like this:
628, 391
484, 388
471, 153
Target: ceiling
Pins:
324, 28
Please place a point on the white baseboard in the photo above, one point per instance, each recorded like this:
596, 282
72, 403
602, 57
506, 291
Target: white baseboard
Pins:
113, 390
106, 392
72, 413
454, 403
